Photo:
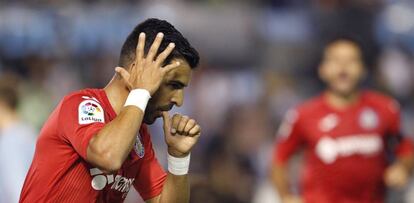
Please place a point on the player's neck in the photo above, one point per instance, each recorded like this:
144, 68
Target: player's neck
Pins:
341, 101
117, 93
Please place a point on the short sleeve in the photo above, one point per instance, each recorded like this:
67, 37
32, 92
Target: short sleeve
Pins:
404, 145
151, 176
288, 138
79, 120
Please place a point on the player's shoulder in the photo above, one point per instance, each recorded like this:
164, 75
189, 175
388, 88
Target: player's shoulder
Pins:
304, 109
380, 100
80, 95
310, 105
377, 96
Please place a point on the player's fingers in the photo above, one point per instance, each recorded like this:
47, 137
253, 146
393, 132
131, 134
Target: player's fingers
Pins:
154, 47
171, 66
195, 130
190, 124
181, 125
124, 75
167, 121
174, 124
163, 55
140, 47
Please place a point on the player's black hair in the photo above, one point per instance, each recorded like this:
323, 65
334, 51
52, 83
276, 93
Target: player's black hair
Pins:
347, 38
151, 27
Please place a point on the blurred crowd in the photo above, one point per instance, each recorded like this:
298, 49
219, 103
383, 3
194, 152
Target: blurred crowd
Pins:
259, 58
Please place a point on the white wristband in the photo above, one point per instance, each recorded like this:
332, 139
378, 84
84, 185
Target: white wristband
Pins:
178, 166
138, 98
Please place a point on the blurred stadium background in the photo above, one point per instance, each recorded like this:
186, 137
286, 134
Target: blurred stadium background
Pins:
258, 60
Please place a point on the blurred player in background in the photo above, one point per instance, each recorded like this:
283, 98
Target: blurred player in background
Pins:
95, 145
346, 133
17, 140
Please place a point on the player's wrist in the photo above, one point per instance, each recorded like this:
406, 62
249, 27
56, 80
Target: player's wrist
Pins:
138, 98
178, 165
176, 153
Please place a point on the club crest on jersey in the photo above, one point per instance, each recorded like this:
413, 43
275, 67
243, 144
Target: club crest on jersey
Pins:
328, 123
139, 147
90, 111
368, 119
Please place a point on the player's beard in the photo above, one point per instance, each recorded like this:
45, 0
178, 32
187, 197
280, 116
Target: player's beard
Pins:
151, 114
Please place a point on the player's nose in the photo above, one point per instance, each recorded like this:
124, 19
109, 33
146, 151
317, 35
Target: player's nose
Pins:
178, 98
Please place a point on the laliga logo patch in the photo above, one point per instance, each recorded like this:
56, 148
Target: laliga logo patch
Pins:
139, 147
90, 111
368, 119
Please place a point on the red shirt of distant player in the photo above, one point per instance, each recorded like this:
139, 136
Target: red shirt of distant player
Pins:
59, 172
345, 150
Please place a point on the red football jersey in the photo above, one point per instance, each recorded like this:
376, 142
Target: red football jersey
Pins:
59, 172
345, 150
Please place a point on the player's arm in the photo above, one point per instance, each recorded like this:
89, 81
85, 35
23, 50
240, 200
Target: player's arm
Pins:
111, 145
288, 142
181, 134
397, 175
280, 180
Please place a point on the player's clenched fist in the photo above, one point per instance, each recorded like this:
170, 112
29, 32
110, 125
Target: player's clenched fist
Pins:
181, 133
147, 72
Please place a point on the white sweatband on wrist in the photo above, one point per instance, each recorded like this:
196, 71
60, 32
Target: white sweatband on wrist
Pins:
138, 98
178, 166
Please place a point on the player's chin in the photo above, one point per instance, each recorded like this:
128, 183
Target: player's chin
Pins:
345, 90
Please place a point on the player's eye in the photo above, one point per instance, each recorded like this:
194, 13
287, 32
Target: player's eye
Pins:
176, 86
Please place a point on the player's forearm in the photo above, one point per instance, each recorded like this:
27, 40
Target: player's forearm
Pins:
280, 181
176, 189
110, 147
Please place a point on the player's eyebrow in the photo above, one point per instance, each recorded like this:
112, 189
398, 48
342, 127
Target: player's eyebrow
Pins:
179, 83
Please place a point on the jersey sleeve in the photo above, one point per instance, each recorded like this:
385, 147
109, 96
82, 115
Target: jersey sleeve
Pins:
403, 145
288, 138
151, 176
79, 120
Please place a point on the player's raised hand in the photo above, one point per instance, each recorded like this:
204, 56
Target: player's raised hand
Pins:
181, 134
146, 72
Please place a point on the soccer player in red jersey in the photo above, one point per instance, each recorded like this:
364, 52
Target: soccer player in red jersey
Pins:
95, 146
346, 135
